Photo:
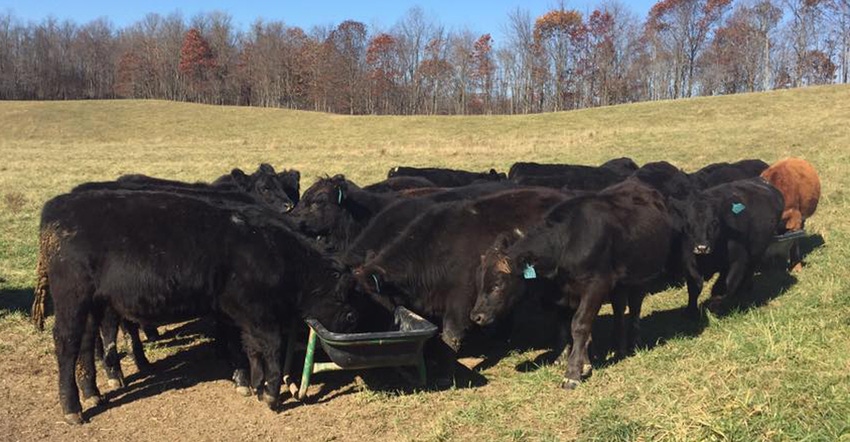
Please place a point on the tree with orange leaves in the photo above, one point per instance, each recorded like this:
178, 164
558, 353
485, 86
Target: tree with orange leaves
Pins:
558, 37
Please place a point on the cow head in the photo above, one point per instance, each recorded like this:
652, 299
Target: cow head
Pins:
701, 224
264, 185
330, 301
321, 209
499, 281
374, 294
290, 182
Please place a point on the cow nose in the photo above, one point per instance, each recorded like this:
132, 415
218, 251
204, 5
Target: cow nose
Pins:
478, 318
701, 249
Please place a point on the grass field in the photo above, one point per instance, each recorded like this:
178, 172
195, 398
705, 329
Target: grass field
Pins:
778, 369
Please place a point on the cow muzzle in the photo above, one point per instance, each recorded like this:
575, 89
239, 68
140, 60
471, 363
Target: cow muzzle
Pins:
702, 249
481, 319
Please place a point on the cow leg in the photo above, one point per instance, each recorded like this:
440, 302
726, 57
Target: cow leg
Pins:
111, 362
795, 261
229, 342
564, 338
131, 329
67, 336
86, 372
618, 305
739, 271
695, 284
579, 365
263, 348
635, 304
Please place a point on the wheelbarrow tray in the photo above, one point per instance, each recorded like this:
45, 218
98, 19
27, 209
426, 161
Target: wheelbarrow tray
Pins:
377, 349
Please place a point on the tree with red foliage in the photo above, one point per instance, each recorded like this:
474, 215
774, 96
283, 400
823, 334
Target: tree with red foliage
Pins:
384, 71
196, 61
483, 69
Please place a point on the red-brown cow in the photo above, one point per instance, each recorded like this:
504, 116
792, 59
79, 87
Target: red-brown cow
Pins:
798, 181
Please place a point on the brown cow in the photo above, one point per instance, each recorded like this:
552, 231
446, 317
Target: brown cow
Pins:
798, 181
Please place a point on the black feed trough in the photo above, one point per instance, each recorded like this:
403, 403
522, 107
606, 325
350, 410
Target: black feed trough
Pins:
781, 245
401, 346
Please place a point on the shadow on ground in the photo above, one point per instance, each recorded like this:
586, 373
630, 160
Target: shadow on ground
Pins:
16, 300
658, 327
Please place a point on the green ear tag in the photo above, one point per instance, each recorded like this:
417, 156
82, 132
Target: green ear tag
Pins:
738, 208
529, 272
377, 285
339, 195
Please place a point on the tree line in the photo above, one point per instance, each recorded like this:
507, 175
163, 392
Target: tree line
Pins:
563, 59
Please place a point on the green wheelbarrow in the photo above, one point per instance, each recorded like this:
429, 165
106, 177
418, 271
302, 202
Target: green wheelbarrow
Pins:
399, 347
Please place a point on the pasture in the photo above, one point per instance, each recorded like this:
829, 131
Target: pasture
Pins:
774, 368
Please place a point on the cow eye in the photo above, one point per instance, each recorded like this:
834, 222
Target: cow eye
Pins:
351, 317
335, 274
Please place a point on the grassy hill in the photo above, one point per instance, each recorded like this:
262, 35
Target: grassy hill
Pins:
779, 370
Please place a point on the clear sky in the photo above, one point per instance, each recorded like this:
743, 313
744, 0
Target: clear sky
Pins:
479, 16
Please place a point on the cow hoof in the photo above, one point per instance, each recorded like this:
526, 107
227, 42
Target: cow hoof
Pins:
115, 383
797, 267
570, 384
93, 401
243, 391
586, 371
74, 418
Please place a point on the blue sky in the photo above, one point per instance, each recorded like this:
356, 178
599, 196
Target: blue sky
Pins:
479, 16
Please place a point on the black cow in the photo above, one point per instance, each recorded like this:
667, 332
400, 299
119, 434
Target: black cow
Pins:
577, 178
590, 249
290, 181
391, 221
397, 183
623, 166
616, 168
719, 173
335, 210
430, 266
164, 257
263, 184
446, 177
727, 230
666, 178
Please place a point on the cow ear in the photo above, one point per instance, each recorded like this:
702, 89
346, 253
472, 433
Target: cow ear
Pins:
266, 168
239, 177
533, 267
735, 213
370, 279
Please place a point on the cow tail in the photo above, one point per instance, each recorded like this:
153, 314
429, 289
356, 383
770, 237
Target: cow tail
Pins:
46, 242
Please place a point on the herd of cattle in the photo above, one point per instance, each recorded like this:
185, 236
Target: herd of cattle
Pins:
460, 248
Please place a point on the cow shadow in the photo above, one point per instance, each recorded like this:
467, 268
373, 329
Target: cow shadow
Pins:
392, 381
661, 326
181, 370
768, 284
14, 300
810, 243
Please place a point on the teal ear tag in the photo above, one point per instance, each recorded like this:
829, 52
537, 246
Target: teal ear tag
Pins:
529, 272
738, 208
339, 195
